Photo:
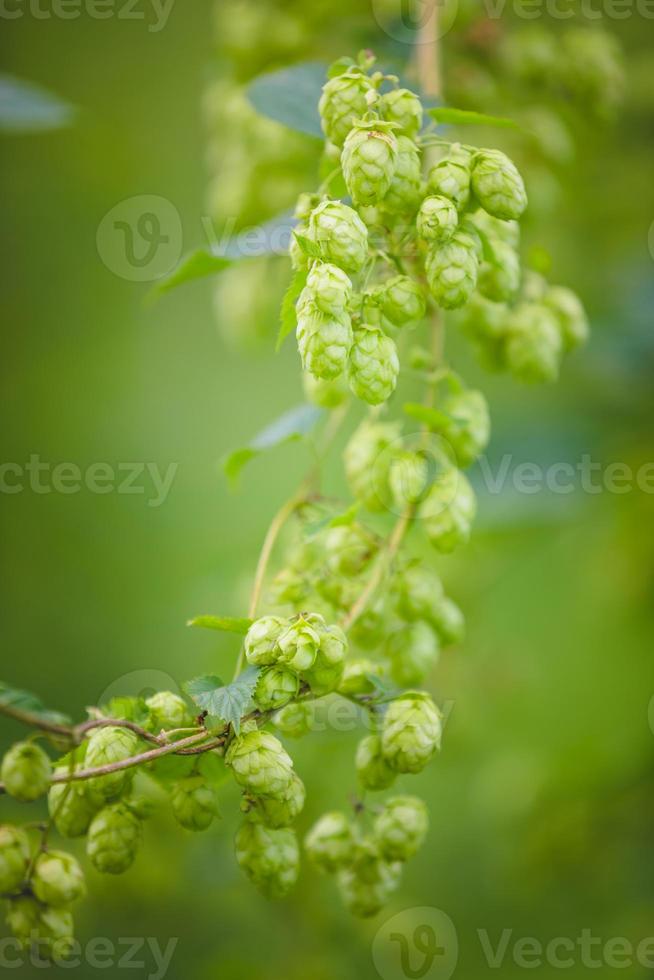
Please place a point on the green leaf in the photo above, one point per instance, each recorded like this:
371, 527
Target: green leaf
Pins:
227, 624
435, 418
464, 117
340, 66
287, 317
290, 96
347, 517
227, 702
292, 425
13, 697
195, 265
308, 247
28, 108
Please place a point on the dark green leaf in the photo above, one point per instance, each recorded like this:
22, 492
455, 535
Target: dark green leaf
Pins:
195, 265
292, 425
28, 108
288, 318
290, 96
227, 624
464, 117
13, 697
227, 702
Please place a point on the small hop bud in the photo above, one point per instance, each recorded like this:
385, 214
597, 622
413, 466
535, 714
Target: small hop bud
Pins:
269, 857
497, 185
70, 807
409, 479
276, 686
107, 746
369, 161
404, 108
374, 365
413, 651
450, 178
406, 189
326, 673
324, 341
368, 461
411, 732
168, 711
401, 827
262, 638
300, 641
330, 842
534, 345
349, 549
260, 764
33, 923
372, 768
58, 879
342, 101
499, 279
466, 424
277, 813
14, 858
570, 314
330, 288
114, 838
366, 898
437, 219
340, 234
325, 394
294, 720
419, 593
26, 771
449, 510
449, 622
452, 270
194, 803
305, 205
403, 301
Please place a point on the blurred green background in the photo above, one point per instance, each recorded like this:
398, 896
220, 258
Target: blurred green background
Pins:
542, 801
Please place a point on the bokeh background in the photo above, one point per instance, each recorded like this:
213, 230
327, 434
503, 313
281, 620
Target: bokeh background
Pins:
542, 801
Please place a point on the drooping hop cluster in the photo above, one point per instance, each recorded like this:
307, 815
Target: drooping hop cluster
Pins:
368, 862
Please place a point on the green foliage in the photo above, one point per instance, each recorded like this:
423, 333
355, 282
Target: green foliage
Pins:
227, 702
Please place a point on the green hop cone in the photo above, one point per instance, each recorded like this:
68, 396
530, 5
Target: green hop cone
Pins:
408, 478
466, 425
114, 838
325, 394
365, 898
324, 341
262, 638
437, 219
369, 161
449, 510
374, 365
419, 593
368, 461
269, 857
330, 287
107, 746
26, 771
58, 879
349, 549
499, 279
304, 206
357, 676
294, 720
330, 842
411, 732
403, 301
14, 858
340, 234
450, 178
494, 228
69, 806
300, 641
485, 324
497, 185
401, 827
372, 768
370, 628
452, 270
406, 189
449, 622
168, 711
342, 101
276, 686
403, 108
194, 803
570, 314
326, 673
260, 764
534, 345
277, 813
413, 652
33, 924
